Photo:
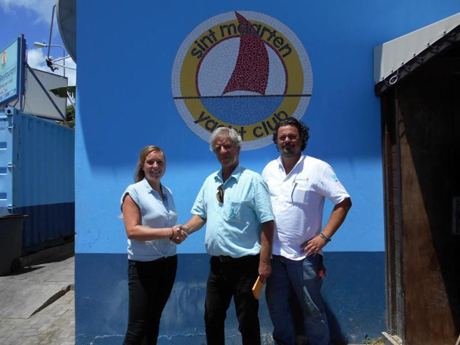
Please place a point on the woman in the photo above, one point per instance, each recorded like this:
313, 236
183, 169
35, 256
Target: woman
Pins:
149, 215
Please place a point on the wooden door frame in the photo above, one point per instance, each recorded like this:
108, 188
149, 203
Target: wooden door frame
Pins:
393, 214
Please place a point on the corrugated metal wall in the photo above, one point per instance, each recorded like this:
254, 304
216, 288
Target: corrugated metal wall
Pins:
42, 177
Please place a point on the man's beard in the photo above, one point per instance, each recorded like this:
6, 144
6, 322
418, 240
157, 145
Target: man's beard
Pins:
288, 152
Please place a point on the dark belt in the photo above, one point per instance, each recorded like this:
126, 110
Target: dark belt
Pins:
229, 259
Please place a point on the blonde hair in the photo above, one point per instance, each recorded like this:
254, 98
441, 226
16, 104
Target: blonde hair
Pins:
139, 174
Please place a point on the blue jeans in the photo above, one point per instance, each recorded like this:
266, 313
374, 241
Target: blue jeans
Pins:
300, 278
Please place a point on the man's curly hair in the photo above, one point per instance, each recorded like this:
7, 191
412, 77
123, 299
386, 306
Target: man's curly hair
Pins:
291, 121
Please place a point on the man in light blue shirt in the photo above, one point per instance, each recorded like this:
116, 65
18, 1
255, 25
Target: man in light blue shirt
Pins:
235, 204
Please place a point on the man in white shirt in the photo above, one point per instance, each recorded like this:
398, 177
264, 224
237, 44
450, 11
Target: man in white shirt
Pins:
298, 187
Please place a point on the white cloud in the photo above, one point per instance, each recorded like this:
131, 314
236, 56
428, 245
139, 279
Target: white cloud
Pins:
42, 8
70, 73
37, 59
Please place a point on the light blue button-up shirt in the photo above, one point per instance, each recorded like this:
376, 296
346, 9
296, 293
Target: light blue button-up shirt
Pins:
233, 227
155, 213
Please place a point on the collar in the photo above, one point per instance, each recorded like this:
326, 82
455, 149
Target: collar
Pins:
281, 167
150, 189
236, 173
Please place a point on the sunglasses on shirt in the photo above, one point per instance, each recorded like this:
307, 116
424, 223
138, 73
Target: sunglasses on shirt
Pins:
220, 194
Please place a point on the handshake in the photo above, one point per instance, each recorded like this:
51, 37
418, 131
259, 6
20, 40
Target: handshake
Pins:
179, 234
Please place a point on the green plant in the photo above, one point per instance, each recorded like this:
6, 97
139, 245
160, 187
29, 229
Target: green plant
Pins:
70, 118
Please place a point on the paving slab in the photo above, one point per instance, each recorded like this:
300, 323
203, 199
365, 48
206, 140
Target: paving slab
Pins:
26, 292
20, 300
44, 327
37, 304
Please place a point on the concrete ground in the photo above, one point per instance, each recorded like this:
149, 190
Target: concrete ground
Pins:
37, 303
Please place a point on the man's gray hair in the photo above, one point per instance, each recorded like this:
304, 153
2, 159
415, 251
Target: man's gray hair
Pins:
225, 132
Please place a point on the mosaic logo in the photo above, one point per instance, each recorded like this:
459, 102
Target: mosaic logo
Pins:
243, 70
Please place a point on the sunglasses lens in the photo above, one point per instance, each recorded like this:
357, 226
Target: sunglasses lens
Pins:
220, 194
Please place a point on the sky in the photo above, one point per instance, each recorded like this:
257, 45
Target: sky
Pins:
33, 18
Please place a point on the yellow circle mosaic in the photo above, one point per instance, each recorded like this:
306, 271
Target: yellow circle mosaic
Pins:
243, 70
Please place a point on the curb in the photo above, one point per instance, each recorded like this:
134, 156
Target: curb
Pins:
38, 257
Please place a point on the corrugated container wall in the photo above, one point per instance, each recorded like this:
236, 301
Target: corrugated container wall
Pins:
37, 177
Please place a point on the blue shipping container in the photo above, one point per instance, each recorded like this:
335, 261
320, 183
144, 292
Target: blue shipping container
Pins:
37, 177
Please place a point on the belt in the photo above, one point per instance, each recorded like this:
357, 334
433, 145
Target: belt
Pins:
229, 259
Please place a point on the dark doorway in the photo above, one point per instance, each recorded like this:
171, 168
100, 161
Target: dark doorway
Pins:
421, 144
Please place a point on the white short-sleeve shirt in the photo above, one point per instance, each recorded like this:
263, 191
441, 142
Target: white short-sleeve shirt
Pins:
298, 201
155, 213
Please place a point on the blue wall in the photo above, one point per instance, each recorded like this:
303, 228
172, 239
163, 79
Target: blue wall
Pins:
126, 54
353, 298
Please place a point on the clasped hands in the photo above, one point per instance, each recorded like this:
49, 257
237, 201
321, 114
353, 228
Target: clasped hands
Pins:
179, 234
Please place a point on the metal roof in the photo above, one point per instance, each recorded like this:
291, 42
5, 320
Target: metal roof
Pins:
395, 59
